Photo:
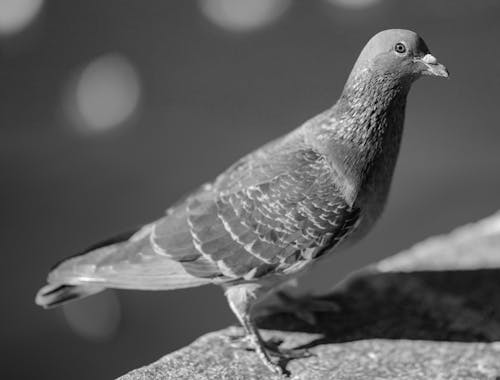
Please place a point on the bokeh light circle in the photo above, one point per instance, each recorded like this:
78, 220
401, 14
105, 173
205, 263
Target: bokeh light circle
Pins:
94, 318
105, 93
243, 15
15, 15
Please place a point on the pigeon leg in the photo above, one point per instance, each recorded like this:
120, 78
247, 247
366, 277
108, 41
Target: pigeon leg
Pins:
241, 299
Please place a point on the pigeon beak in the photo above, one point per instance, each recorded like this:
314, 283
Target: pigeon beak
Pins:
432, 66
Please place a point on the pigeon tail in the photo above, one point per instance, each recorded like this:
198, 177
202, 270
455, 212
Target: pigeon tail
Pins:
53, 295
127, 261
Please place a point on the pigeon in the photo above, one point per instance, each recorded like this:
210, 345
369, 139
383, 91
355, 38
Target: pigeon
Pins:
277, 210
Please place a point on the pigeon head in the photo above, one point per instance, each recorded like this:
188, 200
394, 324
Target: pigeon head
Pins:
398, 54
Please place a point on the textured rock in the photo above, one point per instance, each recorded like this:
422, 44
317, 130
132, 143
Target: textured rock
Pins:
210, 357
412, 316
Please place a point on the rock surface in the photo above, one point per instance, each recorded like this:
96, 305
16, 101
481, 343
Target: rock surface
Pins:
432, 312
210, 357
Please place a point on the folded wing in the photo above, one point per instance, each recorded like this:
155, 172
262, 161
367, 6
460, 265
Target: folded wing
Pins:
271, 212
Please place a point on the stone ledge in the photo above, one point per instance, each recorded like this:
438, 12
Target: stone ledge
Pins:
210, 357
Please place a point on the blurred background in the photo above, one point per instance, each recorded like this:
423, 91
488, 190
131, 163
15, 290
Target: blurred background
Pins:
111, 110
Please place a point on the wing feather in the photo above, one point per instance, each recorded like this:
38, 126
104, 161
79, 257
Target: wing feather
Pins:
288, 196
272, 211
132, 264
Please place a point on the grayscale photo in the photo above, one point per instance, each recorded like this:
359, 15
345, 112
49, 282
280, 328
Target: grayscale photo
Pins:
250, 189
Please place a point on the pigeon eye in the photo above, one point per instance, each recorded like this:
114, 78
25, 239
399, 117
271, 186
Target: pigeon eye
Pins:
400, 48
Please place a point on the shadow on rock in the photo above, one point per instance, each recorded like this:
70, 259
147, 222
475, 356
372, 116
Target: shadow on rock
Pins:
460, 306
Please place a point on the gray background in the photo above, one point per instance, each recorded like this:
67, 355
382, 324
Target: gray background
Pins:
209, 96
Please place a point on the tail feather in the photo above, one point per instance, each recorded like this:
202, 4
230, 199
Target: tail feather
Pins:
53, 295
119, 238
127, 261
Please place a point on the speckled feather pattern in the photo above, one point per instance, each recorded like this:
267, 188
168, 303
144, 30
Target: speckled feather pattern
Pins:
265, 213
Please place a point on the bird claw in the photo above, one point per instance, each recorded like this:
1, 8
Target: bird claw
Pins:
272, 347
283, 355
241, 342
269, 348
246, 342
290, 354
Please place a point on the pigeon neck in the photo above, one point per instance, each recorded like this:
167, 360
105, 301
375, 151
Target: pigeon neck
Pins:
370, 103
367, 88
